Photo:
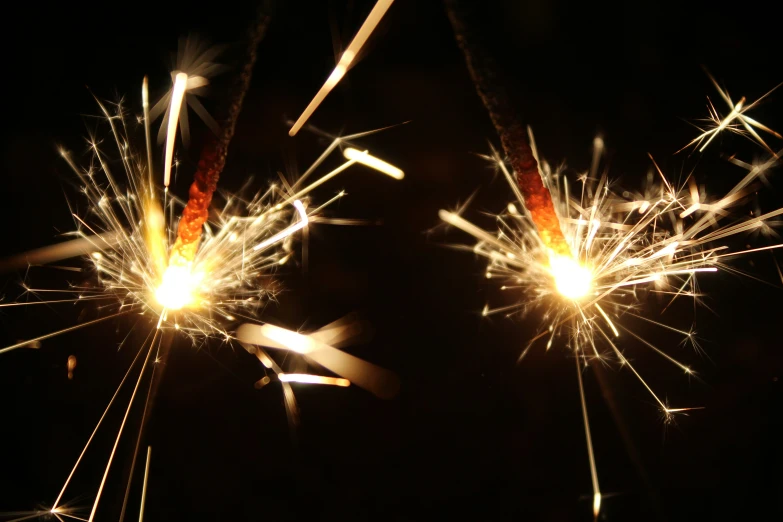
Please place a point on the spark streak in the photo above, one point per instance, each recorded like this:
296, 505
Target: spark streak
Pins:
345, 62
372, 378
588, 438
371, 161
313, 379
144, 487
176, 103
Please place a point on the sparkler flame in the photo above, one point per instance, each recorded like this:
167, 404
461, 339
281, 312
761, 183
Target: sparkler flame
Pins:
572, 280
177, 288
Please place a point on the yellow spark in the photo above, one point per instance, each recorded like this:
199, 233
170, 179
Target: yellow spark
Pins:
288, 231
345, 62
367, 159
180, 84
313, 379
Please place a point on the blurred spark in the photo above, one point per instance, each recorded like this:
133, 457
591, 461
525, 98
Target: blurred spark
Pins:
737, 121
345, 62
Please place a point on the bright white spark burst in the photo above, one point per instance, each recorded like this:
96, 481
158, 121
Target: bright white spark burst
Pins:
736, 121
128, 233
624, 246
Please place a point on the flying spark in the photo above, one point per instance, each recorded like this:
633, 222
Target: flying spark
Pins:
347, 59
736, 121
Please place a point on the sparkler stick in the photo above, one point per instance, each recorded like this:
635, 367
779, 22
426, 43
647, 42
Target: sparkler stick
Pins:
213, 159
536, 196
367, 159
345, 62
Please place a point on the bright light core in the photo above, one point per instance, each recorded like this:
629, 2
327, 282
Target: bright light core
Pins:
572, 280
176, 290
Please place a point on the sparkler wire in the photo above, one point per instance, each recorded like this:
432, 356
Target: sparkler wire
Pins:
513, 134
213, 156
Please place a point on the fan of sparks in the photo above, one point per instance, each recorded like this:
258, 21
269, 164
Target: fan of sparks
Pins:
128, 234
623, 246
127, 231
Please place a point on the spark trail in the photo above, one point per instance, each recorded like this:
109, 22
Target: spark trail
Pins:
347, 59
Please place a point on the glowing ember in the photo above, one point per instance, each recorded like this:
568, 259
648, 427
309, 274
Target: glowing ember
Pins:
572, 280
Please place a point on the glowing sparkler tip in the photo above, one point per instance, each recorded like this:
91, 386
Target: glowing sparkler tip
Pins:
177, 288
572, 280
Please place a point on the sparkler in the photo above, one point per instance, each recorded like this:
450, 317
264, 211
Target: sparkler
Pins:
243, 245
586, 261
203, 280
623, 248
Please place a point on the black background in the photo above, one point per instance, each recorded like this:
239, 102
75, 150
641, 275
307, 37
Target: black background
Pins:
472, 434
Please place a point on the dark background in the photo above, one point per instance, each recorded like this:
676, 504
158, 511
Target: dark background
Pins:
472, 434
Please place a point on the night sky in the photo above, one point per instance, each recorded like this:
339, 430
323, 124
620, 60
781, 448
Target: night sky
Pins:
472, 434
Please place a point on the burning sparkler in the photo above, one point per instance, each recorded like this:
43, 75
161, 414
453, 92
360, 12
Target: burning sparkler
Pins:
206, 276
587, 260
622, 248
